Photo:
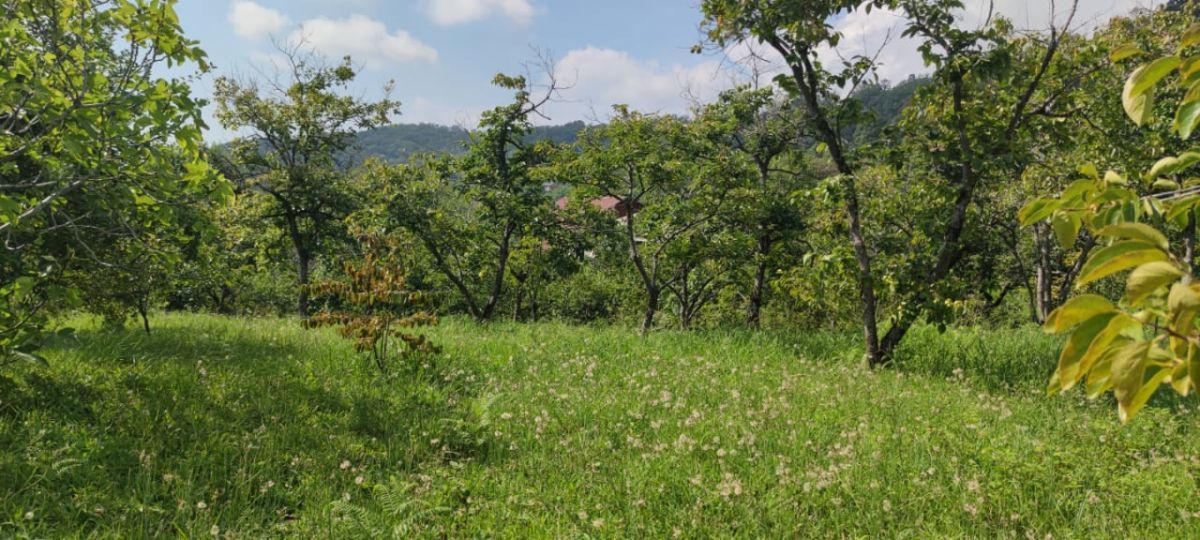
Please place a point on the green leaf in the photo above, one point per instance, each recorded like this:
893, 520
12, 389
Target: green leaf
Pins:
1186, 119
1077, 310
1141, 108
31, 358
1191, 36
1183, 297
1161, 167
1123, 52
1099, 377
1078, 188
1066, 229
1120, 325
1148, 278
1116, 258
1113, 179
1189, 70
1145, 77
1136, 231
1165, 185
1128, 408
1089, 170
1037, 210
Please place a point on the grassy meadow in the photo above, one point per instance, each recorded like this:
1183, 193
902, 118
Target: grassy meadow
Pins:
234, 428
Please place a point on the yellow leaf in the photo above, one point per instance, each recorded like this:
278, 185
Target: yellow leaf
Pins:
1069, 372
1149, 278
1128, 369
1129, 407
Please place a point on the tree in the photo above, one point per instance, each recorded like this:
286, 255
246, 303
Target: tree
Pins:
297, 128
373, 305
966, 63
94, 148
667, 179
767, 131
470, 212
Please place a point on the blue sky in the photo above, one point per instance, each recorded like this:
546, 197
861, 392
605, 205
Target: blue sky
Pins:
442, 54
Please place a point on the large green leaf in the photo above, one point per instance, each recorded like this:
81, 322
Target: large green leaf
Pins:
1141, 108
1123, 52
1186, 119
1099, 377
1066, 229
1191, 36
1145, 77
1127, 407
1077, 310
1037, 210
1068, 372
1120, 325
1136, 231
1118, 257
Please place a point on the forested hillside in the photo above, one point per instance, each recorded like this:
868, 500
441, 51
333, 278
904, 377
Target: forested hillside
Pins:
395, 143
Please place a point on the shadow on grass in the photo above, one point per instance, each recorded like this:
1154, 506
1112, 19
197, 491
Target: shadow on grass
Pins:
192, 382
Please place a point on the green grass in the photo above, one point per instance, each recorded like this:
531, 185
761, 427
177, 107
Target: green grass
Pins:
550, 430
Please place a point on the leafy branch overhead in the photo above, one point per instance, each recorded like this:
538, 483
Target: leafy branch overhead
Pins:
1149, 338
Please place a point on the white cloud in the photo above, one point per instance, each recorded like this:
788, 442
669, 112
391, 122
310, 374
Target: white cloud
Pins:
452, 12
364, 39
1035, 14
879, 33
599, 78
253, 21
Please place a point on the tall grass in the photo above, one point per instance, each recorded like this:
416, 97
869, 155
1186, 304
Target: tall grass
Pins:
246, 429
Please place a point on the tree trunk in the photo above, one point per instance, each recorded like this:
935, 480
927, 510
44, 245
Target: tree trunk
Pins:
1189, 241
533, 303
1042, 283
497, 291
143, 308
303, 268
520, 296
754, 310
805, 75
652, 296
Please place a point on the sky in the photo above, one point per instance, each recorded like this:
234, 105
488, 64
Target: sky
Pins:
442, 54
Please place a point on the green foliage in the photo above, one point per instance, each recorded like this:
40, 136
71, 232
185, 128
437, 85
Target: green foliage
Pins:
669, 181
297, 129
472, 213
98, 153
1150, 338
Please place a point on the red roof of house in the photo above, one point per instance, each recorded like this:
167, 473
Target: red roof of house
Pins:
607, 203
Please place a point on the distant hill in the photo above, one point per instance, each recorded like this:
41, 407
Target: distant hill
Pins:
396, 143
886, 102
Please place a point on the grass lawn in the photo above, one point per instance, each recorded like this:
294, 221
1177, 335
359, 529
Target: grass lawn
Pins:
250, 428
